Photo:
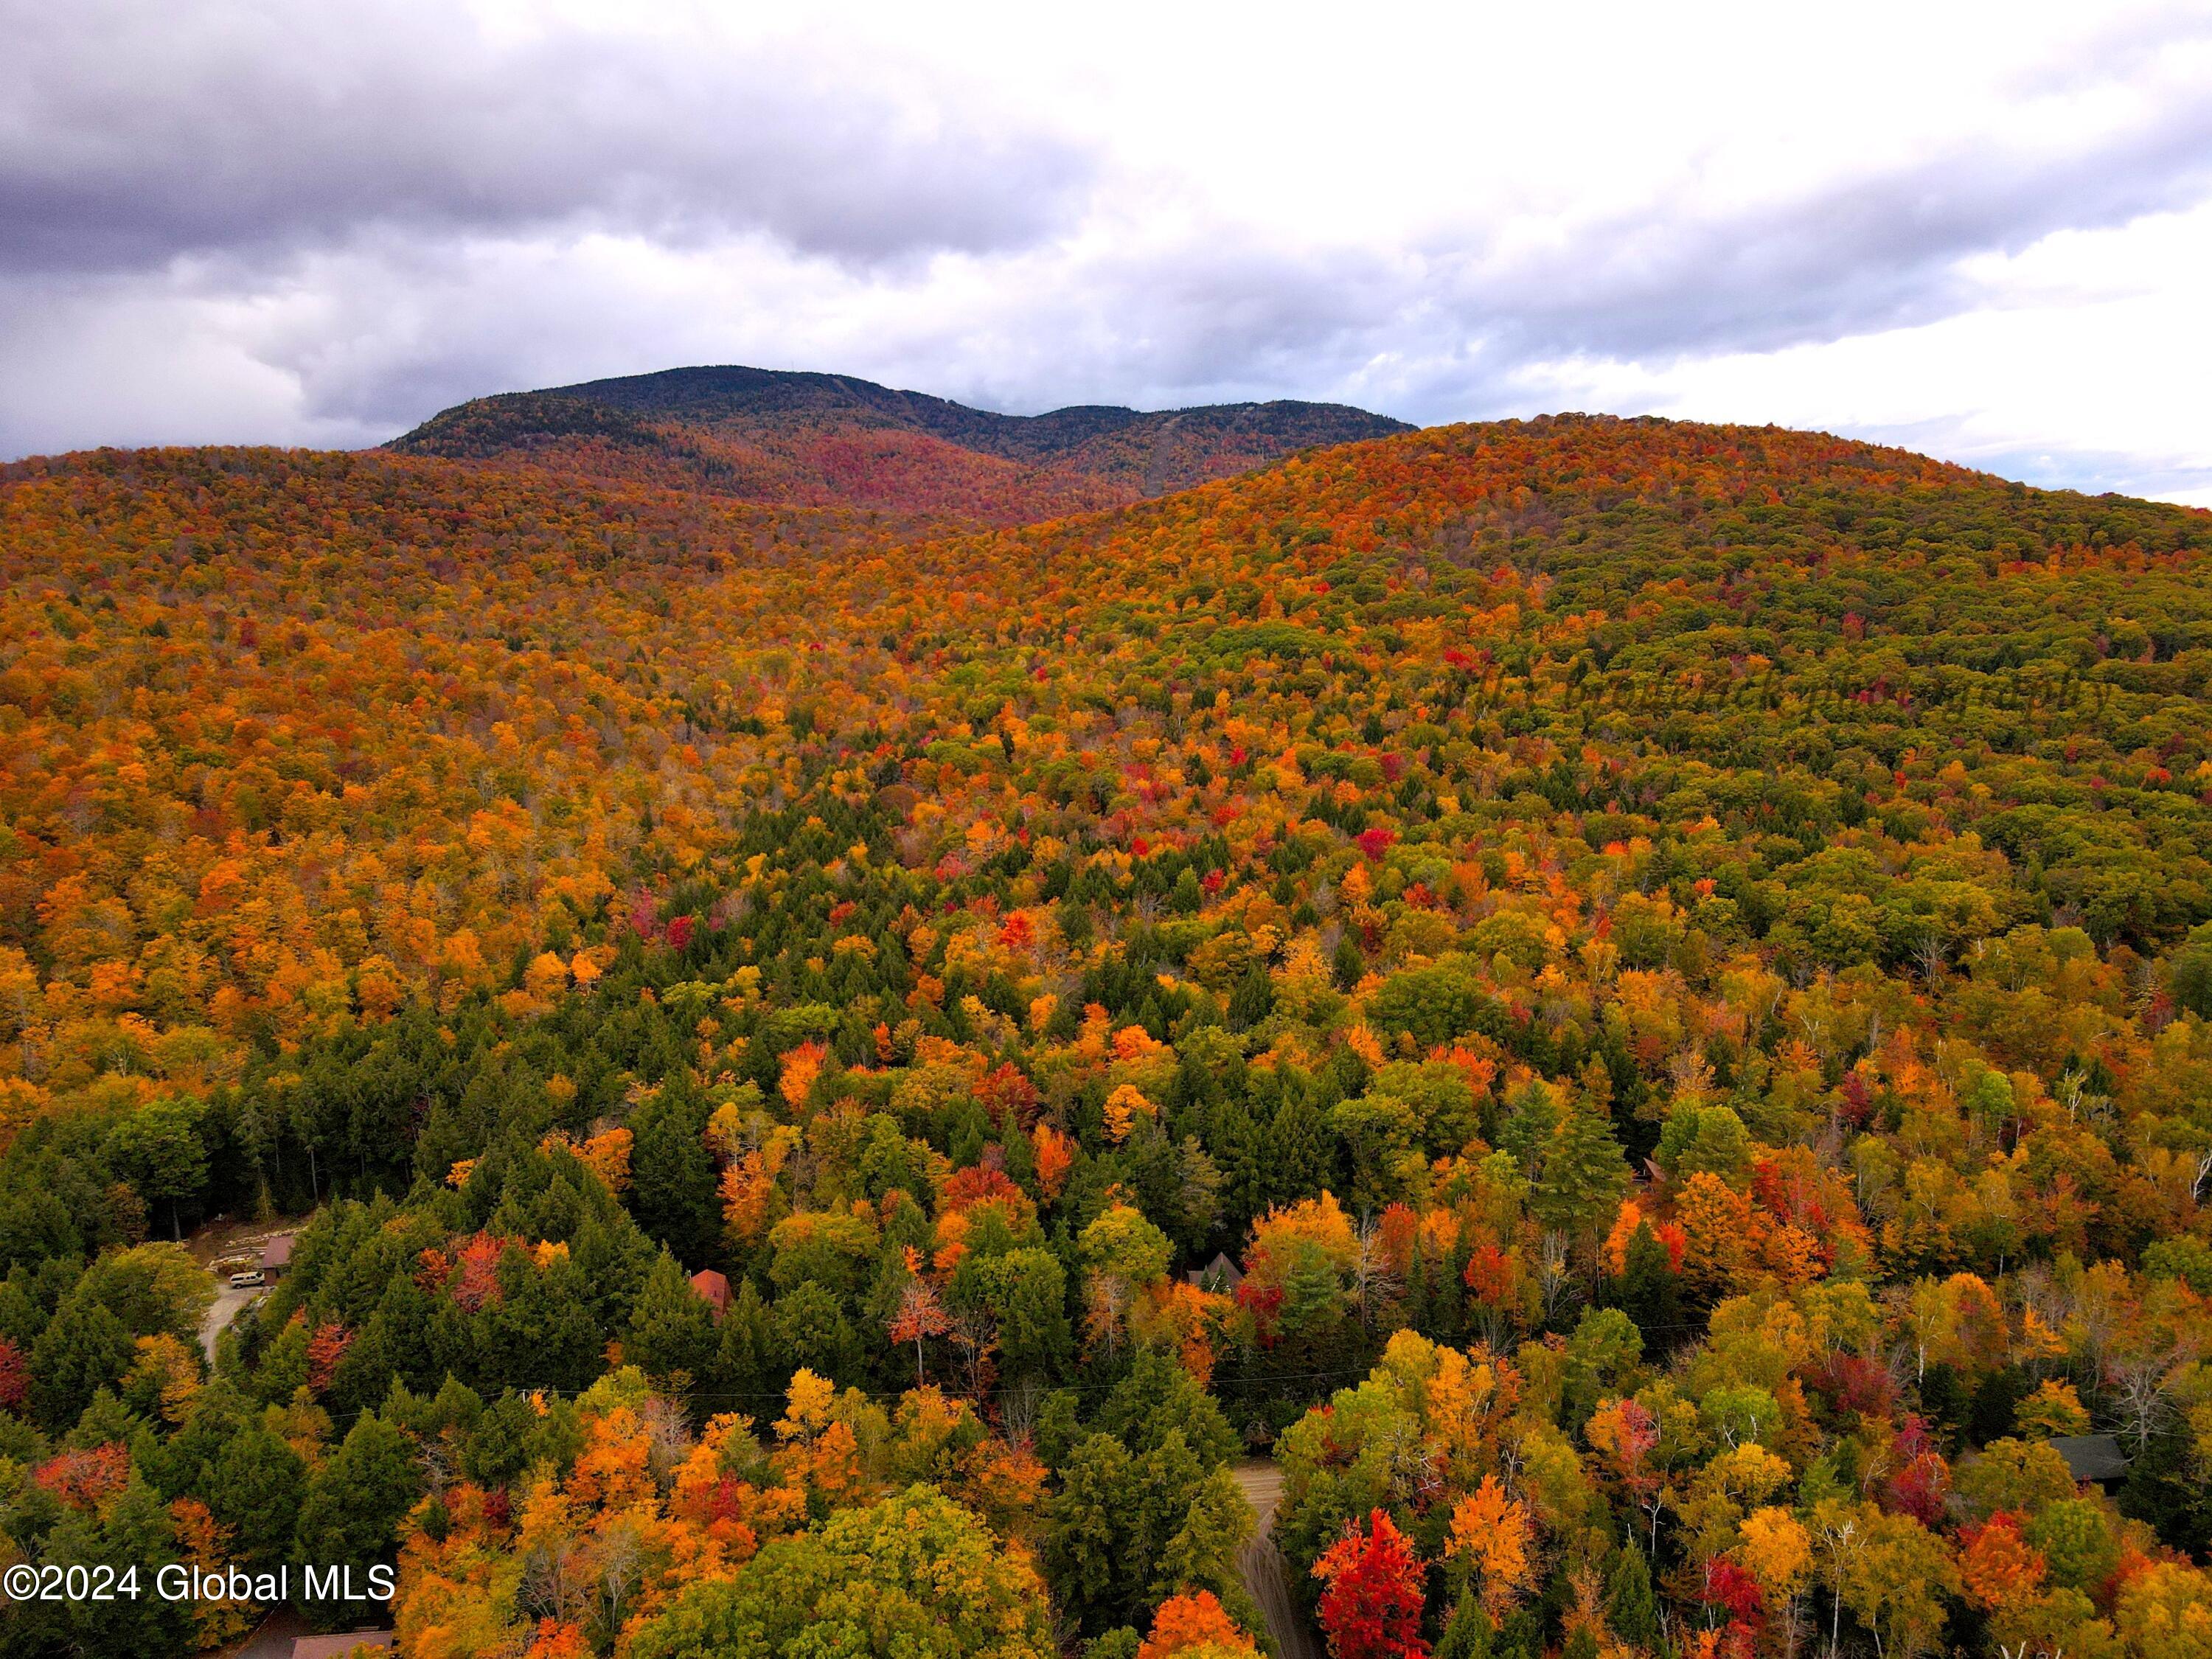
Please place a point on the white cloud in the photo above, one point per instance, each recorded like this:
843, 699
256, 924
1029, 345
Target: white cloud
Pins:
1976, 230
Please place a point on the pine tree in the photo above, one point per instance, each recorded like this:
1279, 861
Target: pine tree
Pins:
1629, 1607
179, 1465
356, 1502
258, 1484
1216, 1525
1347, 964
747, 1367
672, 1177
1167, 1478
1582, 1177
1521, 1636
83, 1350
1469, 1632
1087, 1532
1650, 1289
672, 1329
1418, 1311
1239, 1148
1254, 999
1301, 1153
133, 1528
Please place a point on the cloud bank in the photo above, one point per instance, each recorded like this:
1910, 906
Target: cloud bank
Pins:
1979, 235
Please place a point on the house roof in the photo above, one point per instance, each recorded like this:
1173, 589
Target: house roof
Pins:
714, 1287
2091, 1456
277, 1253
336, 1647
1220, 1274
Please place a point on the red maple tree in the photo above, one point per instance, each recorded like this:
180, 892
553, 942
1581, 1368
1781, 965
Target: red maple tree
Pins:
1372, 1608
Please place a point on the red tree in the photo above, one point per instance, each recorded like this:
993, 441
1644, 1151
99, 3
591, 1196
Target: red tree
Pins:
325, 1349
14, 1376
1372, 1608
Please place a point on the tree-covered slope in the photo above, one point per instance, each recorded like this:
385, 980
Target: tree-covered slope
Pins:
1674, 960
828, 439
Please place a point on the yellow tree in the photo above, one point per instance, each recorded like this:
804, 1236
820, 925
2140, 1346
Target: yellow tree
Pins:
1494, 1532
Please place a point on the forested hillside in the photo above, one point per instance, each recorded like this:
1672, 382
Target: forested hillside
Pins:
1673, 962
832, 441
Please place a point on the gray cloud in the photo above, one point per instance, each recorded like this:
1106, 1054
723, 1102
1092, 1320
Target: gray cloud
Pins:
361, 216
1881, 252
1448, 322
132, 135
1443, 330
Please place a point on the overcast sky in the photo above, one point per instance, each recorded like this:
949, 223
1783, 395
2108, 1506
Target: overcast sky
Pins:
1984, 232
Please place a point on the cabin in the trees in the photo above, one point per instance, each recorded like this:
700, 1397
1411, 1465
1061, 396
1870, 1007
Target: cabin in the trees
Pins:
713, 1288
2096, 1458
1220, 1276
277, 1256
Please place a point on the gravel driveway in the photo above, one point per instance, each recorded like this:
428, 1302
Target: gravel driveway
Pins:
1266, 1574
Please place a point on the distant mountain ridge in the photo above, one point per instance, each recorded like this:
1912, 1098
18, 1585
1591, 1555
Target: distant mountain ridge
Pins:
835, 440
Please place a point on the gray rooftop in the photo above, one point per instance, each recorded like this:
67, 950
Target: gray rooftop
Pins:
2091, 1456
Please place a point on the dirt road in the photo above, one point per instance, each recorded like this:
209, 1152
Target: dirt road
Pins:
1266, 1574
219, 1313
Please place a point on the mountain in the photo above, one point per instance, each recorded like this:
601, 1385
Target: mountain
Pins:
830, 439
1675, 959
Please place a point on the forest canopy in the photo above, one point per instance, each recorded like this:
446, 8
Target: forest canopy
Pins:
1628, 1005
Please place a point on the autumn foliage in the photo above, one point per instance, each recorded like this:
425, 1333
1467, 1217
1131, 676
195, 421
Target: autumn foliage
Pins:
1629, 1003
1372, 1596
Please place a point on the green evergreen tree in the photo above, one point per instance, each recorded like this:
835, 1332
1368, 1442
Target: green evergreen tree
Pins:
671, 1175
1650, 1291
1301, 1153
747, 1367
181, 1465
1521, 1636
812, 1331
1202, 1551
1026, 1292
500, 1446
1086, 1532
354, 1506
1469, 1632
1347, 965
2189, 973
1059, 1427
257, 1486
1253, 999
672, 1335
1629, 1607
132, 1529
84, 1349
1583, 1175
1159, 1398
1240, 1151
1167, 1479
1188, 896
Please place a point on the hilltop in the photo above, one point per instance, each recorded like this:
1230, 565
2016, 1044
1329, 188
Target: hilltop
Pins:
833, 440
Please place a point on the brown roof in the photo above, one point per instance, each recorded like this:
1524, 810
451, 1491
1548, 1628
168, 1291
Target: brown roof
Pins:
337, 1647
714, 1287
277, 1253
